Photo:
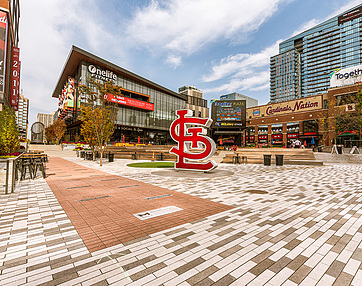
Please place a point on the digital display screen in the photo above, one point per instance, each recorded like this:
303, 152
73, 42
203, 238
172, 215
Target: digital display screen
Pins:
228, 113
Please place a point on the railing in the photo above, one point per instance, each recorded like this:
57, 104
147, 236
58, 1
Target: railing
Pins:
26, 163
6, 163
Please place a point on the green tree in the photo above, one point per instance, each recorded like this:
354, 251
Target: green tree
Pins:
98, 114
9, 132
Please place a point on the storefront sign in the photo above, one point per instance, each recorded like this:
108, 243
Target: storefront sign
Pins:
101, 74
228, 124
256, 112
351, 75
129, 102
292, 135
226, 140
350, 107
252, 138
277, 136
15, 79
288, 107
3, 44
192, 137
263, 137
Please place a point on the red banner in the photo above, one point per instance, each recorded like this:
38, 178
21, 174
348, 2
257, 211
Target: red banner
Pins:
15, 79
3, 42
277, 136
129, 101
292, 135
263, 137
310, 133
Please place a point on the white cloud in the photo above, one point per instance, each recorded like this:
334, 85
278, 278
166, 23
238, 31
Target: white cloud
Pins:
48, 29
174, 60
240, 64
251, 71
187, 26
245, 71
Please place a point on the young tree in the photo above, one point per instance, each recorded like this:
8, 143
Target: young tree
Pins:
353, 119
99, 115
49, 133
87, 129
59, 128
9, 132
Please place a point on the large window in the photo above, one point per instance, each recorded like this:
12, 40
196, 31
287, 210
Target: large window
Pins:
165, 104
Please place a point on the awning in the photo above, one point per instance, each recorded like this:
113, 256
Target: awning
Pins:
347, 134
309, 136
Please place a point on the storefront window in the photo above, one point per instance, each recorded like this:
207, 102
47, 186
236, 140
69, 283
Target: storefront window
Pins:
263, 135
128, 117
277, 134
250, 135
292, 130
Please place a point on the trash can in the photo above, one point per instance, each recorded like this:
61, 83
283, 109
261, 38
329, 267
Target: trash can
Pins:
340, 149
267, 160
110, 157
279, 160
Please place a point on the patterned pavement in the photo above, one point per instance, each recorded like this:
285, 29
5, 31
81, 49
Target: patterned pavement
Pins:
289, 225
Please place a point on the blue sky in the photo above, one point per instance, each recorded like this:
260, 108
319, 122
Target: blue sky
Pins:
218, 46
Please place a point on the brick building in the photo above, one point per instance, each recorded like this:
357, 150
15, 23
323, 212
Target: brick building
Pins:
310, 119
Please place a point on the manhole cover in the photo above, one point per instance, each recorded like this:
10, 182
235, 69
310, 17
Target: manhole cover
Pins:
256, 192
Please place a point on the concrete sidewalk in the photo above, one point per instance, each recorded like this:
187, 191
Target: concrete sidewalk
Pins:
289, 225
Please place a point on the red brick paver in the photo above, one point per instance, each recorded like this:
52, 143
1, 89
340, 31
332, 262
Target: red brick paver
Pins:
101, 206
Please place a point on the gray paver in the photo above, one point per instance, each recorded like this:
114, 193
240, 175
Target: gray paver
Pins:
305, 229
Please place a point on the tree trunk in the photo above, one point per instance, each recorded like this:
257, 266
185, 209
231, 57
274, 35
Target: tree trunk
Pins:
100, 164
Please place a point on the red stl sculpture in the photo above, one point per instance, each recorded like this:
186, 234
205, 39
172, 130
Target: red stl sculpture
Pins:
192, 137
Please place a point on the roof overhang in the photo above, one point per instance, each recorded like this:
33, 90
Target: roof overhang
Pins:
76, 55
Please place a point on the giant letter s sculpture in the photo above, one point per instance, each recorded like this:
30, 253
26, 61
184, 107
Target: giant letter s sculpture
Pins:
192, 137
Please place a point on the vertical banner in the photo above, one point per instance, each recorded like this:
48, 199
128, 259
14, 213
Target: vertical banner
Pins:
15, 79
3, 43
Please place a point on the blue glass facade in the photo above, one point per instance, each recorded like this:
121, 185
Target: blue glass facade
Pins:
305, 61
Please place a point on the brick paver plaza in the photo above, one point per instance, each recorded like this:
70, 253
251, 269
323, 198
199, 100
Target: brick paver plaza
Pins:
260, 225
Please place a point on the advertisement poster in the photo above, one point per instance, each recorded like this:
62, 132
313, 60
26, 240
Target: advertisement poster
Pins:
15, 79
341, 77
3, 43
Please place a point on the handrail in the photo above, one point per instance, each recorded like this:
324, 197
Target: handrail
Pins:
8, 160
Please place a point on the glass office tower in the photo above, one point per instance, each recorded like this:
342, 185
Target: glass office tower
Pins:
304, 63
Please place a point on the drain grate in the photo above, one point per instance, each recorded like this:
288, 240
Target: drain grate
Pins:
256, 191
79, 187
158, 197
96, 198
127, 186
